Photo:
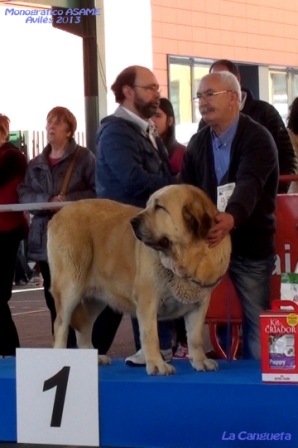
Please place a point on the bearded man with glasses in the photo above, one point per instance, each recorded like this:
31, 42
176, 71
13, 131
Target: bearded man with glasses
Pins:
235, 161
132, 163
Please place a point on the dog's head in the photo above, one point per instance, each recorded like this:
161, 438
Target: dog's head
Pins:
175, 223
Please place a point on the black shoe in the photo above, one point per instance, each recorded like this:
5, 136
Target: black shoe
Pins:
211, 354
21, 283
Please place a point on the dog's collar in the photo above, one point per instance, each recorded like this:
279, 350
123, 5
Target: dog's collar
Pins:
207, 285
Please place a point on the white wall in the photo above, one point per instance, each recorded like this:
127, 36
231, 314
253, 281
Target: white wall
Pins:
128, 39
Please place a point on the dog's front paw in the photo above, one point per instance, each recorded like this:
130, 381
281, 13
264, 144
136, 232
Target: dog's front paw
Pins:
159, 368
204, 364
104, 360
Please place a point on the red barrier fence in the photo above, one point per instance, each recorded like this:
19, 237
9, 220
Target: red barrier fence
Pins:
224, 306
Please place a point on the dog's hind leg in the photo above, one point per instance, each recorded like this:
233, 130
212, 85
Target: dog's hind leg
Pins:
64, 308
82, 321
61, 328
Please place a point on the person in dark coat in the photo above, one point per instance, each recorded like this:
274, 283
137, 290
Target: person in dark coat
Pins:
43, 183
13, 229
132, 163
234, 160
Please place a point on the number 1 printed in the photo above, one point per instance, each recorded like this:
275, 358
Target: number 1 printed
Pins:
60, 380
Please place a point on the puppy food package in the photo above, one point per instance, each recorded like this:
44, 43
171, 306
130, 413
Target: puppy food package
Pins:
279, 343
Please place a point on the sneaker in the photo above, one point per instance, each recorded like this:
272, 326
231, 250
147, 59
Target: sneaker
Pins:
36, 281
181, 351
138, 358
167, 354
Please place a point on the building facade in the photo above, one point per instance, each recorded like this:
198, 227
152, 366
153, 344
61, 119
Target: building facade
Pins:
259, 35
179, 40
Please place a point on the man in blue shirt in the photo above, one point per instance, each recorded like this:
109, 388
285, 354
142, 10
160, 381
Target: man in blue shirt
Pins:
234, 160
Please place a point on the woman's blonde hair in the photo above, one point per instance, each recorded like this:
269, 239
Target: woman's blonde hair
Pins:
4, 126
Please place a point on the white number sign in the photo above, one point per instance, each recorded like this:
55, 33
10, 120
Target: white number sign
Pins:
57, 396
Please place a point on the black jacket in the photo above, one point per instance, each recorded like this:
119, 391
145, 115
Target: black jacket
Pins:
265, 114
254, 169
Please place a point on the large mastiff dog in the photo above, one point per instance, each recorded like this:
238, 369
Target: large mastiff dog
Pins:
152, 263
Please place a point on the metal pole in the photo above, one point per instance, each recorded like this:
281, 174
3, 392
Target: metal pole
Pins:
90, 62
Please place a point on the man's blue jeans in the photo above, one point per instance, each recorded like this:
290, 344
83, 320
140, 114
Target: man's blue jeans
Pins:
252, 281
165, 333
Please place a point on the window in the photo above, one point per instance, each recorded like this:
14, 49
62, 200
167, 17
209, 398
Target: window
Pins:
283, 89
199, 72
184, 77
180, 75
175, 95
295, 85
278, 93
185, 74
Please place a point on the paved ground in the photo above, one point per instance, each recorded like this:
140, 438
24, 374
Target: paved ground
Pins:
32, 319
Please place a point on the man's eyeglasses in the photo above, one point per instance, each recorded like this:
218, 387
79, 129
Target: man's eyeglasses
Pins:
208, 96
151, 89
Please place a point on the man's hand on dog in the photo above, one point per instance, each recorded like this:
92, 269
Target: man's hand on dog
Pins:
224, 224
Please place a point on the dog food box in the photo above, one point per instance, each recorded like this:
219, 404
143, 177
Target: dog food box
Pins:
279, 343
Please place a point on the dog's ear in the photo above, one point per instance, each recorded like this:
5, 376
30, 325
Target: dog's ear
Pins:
197, 219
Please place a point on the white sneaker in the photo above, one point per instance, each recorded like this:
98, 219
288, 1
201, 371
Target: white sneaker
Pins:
138, 359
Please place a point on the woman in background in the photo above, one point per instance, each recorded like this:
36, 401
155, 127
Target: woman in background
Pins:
164, 120
293, 133
13, 229
43, 183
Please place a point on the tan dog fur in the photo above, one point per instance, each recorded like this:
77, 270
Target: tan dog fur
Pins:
168, 270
